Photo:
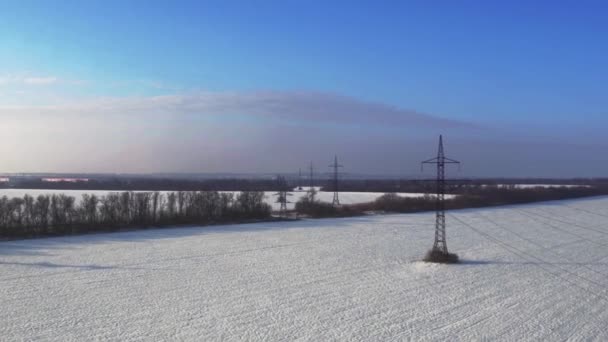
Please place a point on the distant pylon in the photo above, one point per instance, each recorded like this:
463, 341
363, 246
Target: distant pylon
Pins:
335, 179
300, 179
440, 243
282, 194
312, 170
312, 192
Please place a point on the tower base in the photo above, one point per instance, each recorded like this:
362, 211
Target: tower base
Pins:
441, 257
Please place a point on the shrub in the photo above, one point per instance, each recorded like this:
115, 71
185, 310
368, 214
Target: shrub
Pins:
317, 209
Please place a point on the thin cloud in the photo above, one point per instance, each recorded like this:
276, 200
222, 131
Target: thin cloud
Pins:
297, 106
28, 80
285, 130
40, 80
206, 132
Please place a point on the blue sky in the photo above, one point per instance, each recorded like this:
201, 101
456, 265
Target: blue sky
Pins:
501, 74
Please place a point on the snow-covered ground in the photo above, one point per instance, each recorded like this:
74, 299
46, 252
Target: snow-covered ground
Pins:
530, 273
270, 198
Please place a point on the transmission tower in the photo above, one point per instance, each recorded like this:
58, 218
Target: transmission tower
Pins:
282, 195
312, 171
440, 244
300, 179
335, 176
312, 192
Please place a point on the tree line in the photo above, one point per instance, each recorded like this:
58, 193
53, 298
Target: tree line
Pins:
59, 214
471, 196
483, 196
459, 186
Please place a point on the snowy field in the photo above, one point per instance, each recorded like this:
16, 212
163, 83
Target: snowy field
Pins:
531, 186
530, 273
270, 198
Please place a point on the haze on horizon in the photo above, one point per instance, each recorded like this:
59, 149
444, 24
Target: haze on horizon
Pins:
516, 88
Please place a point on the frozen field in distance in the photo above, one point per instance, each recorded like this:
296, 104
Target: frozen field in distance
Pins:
529, 186
345, 197
530, 273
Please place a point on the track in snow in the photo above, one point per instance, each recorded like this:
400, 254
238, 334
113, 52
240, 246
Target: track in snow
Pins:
529, 273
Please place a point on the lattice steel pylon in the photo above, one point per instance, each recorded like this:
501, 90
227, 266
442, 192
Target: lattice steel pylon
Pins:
282, 195
311, 170
441, 160
300, 179
335, 181
311, 193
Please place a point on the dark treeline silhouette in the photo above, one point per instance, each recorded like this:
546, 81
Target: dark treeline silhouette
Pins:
481, 196
453, 186
472, 196
318, 209
269, 184
60, 214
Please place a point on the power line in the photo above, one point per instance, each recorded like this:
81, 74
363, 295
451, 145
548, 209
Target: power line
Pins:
584, 210
550, 250
522, 254
525, 213
601, 231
